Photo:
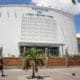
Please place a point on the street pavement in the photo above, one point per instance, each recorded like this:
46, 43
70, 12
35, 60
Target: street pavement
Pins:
72, 73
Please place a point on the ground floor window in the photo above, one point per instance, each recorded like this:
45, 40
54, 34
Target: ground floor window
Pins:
51, 51
54, 51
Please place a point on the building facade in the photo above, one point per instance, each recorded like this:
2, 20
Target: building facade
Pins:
23, 27
78, 39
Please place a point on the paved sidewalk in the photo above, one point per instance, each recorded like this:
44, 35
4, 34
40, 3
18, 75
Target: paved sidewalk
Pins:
48, 74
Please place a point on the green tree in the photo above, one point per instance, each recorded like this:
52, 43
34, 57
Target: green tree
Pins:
34, 58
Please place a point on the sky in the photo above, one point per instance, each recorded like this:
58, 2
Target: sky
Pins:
66, 4
77, 23
78, 0
15, 1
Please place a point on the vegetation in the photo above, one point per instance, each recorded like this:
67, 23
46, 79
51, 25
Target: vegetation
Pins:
53, 56
33, 59
12, 56
72, 56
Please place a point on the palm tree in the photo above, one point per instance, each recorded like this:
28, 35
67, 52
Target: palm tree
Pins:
34, 58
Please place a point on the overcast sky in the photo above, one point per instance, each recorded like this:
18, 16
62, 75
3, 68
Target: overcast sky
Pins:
65, 4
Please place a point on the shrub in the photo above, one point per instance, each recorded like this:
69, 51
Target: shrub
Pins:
72, 56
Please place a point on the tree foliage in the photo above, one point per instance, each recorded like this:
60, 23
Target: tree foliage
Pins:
33, 58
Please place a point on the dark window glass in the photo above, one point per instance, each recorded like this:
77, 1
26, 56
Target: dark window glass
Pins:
54, 51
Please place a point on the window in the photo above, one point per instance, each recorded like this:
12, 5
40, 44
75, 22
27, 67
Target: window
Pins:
53, 51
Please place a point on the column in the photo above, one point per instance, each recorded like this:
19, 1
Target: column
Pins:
46, 57
61, 52
24, 50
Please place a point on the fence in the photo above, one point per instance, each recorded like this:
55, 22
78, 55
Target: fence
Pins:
18, 62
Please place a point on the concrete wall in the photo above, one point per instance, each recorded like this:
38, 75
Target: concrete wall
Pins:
17, 26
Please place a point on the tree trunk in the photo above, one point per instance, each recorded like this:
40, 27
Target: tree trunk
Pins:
67, 62
33, 70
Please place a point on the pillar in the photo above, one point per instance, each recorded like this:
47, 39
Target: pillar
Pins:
46, 57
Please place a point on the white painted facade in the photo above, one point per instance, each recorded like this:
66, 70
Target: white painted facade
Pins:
33, 25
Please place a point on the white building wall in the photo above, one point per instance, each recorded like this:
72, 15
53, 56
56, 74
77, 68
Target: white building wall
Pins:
66, 31
9, 30
38, 29
11, 25
69, 34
